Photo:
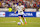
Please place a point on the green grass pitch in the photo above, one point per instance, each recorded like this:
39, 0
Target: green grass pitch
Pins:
12, 22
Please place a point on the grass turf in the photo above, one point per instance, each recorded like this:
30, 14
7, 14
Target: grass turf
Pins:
12, 22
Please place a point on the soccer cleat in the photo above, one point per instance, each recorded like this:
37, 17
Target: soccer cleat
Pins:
22, 23
25, 22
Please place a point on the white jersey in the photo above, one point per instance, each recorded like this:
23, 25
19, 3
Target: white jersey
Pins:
20, 9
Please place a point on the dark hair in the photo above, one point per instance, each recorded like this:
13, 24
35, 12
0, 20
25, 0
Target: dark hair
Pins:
19, 2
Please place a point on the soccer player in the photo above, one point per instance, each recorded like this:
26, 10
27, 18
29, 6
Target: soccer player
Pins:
20, 9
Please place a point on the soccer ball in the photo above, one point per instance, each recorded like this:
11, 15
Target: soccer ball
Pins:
19, 23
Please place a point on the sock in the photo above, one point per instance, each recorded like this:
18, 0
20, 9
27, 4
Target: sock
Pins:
24, 19
21, 20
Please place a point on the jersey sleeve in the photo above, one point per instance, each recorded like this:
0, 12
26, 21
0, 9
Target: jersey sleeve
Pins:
23, 6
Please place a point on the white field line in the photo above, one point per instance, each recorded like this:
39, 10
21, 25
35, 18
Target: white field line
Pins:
16, 22
8, 22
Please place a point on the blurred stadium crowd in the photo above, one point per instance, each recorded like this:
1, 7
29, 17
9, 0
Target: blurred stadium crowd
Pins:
14, 3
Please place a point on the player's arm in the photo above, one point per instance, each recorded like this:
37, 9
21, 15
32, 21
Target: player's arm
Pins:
23, 8
15, 9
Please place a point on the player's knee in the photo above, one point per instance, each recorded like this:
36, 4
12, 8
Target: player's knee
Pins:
19, 17
23, 17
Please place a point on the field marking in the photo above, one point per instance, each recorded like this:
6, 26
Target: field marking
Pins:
8, 22
16, 22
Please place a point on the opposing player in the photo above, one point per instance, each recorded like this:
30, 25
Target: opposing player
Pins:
20, 9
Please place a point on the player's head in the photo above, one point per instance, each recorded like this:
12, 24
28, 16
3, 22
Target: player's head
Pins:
20, 3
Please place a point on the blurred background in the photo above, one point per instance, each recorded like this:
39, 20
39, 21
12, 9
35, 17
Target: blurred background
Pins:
28, 4
8, 17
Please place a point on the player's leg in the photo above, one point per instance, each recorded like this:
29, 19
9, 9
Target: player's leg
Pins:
24, 19
20, 19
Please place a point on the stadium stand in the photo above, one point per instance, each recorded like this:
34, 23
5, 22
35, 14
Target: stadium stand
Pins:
27, 3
